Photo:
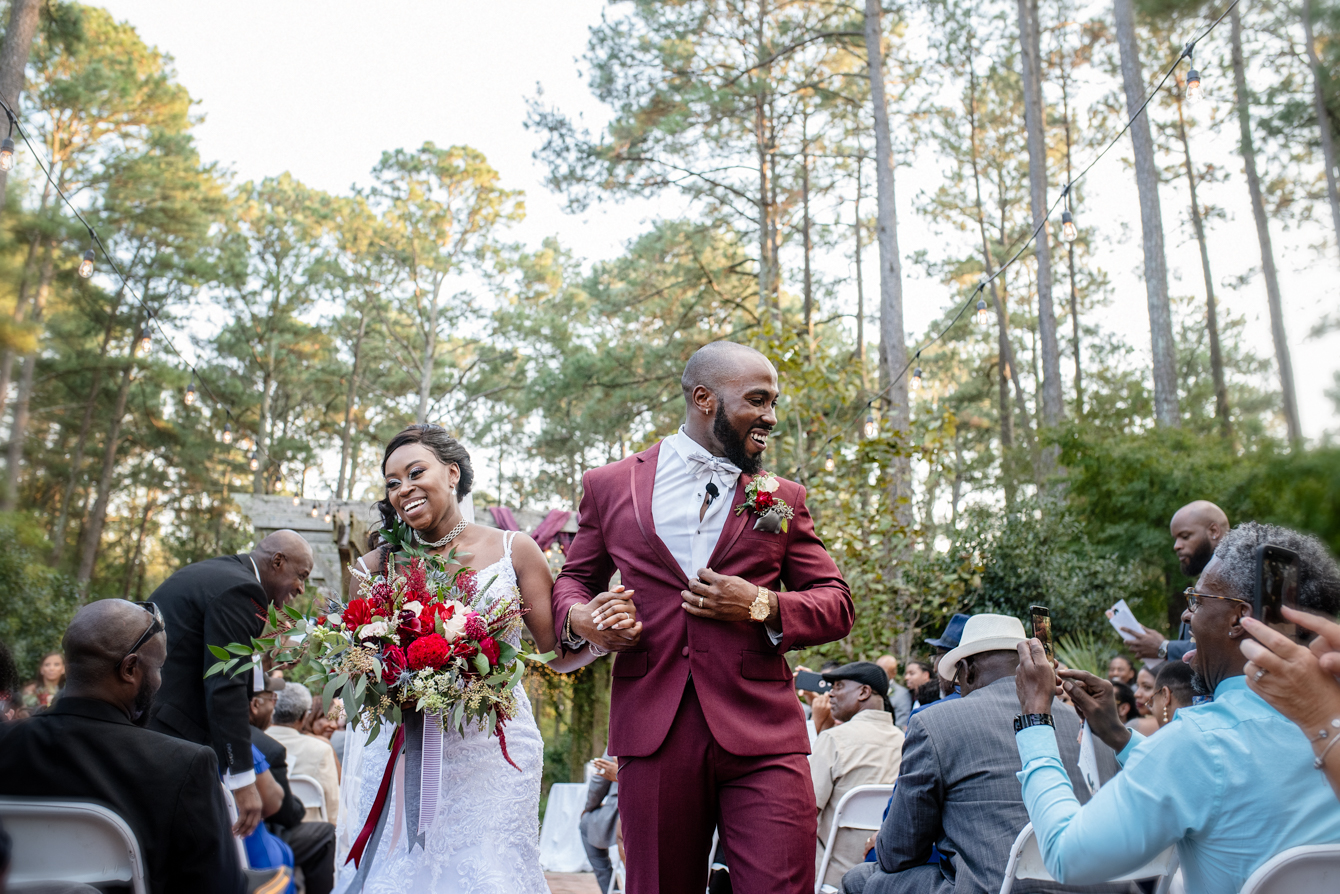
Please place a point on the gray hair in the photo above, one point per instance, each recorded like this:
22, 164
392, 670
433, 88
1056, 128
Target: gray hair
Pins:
292, 704
1318, 574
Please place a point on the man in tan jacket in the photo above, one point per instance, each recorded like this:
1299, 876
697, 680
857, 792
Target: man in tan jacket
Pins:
865, 748
307, 755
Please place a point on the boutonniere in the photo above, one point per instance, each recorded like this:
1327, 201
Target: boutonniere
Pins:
760, 498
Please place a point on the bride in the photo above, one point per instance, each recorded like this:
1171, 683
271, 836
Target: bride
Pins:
485, 837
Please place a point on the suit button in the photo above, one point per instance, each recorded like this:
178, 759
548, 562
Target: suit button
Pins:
684, 651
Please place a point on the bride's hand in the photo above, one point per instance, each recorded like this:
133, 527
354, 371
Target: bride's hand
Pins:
614, 611
616, 628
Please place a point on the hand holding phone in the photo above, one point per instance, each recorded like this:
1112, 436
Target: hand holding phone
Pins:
809, 681
1041, 617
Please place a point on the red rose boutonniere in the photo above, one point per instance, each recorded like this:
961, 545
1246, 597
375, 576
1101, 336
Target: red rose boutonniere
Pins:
774, 514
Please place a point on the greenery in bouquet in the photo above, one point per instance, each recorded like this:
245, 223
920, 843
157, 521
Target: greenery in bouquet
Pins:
418, 638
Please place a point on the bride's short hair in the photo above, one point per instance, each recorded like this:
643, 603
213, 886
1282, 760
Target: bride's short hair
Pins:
447, 450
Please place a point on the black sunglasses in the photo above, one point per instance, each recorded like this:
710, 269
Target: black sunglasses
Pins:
155, 627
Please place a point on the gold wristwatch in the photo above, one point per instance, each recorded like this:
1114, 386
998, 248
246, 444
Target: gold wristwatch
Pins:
761, 607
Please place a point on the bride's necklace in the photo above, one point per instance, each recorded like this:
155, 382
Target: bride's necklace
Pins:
434, 544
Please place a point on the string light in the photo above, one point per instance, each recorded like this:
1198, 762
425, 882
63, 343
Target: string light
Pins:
1069, 232
916, 379
7, 155
982, 317
253, 462
828, 463
871, 426
144, 340
328, 517
190, 392
1194, 93
86, 265
227, 433
296, 499
315, 511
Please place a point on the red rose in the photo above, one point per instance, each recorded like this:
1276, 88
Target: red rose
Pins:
464, 649
429, 651
489, 646
475, 628
411, 627
762, 500
357, 613
393, 663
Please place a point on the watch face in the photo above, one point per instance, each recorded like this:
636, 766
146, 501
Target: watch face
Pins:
759, 611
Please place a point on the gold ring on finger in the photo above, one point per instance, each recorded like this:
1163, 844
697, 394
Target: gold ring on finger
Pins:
700, 601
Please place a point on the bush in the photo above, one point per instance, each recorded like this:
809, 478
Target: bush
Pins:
36, 602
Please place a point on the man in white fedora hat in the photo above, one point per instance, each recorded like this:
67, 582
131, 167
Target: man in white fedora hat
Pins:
958, 795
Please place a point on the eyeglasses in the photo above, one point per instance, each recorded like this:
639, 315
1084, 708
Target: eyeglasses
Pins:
155, 627
1193, 598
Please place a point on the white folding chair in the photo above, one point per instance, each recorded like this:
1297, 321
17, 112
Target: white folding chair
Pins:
861, 808
232, 821
70, 841
1026, 862
309, 791
619, 877
1314, 867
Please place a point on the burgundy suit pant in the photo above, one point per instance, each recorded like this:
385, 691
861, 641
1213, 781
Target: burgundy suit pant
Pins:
670, 802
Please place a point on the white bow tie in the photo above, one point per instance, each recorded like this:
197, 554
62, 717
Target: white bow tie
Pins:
700, 465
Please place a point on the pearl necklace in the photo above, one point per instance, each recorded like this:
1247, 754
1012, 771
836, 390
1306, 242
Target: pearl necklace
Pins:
445, 540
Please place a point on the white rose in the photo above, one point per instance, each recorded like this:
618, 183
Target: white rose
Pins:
454, 628
373, 630
769, 485
413, 605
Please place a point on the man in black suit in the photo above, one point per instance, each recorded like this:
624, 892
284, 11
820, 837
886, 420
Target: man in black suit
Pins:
214, 603
91, 746
313, 844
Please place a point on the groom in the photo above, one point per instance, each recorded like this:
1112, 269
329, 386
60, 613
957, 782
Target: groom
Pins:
704, 718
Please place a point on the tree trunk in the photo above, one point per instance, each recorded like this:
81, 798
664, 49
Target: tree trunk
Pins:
18, 431
263, 429
91, 539
429, 363
761, 139
860, 284
132, 569
809, 279
1323, 120
892, 344
1070, 255
14, 53
346, 437
21, 304
1211, 314
1053, 405
1166, 407
1289, 396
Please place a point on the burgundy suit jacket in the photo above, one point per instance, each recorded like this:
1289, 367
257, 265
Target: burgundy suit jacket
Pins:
742, 680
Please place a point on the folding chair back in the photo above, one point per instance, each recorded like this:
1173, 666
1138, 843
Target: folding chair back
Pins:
309, 791
232, 821
861, 808
1026, 862
70, 841
1313, 867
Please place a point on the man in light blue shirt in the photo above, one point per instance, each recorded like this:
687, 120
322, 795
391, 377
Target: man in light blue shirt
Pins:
1230, 783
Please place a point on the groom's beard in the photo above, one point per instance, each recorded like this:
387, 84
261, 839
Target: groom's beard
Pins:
733, 444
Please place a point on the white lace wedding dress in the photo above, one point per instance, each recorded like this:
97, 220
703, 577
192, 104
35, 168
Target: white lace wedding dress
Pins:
486, 836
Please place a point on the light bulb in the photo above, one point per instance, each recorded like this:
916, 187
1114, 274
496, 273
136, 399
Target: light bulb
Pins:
145, 341
296, 500
1193, 90
871, 426
982, 317
86, 265
227, 433
315, 511
1069, 232
253, 463
190, 393
327, 518
916, 379
828, 463
7, 155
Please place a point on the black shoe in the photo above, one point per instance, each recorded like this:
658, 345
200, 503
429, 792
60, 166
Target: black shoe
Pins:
268, 881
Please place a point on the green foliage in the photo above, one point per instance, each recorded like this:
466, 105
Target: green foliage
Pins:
36, 602
1083, 650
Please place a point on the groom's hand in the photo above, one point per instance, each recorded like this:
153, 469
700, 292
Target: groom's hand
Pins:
722, 598
609, 621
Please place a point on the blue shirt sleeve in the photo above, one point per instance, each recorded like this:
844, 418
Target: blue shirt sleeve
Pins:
1177, 790
261, 764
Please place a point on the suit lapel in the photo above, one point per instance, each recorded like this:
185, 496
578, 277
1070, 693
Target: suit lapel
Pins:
642, 482
734, 526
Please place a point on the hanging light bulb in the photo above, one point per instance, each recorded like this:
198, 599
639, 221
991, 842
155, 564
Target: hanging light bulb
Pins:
1194, 94
86, 265
327, 519
296, 500
227, 433
315, 511
144, 340
190, 392
7, 155
916, 379
982, 317
1069, 232
828, 463
253, 462
871, 426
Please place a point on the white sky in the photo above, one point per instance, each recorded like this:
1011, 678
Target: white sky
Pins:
320, 89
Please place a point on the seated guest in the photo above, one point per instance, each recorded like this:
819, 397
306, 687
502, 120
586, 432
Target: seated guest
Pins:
864, 749
40, 693
1231, 783
1144, 689
918, 674
307, 755
92, 746
958, 792
899, 697
311, 844
1172, 691
948, 640
600, 819
1119, 670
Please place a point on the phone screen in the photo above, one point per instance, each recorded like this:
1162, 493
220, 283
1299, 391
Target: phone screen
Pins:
1042, 629
1276, 582
809, 681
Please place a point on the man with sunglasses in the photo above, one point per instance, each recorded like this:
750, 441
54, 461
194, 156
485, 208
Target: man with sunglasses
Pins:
213, 603
92, 746
1229, 782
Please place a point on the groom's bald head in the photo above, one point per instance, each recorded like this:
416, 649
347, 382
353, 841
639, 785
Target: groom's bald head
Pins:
718, 362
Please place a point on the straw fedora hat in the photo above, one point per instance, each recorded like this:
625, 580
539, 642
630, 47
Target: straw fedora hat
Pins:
983, 633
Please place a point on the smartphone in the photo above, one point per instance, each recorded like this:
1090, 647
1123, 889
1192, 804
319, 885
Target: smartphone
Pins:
1276, 583
809, 681
1184, 632
1042, 629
